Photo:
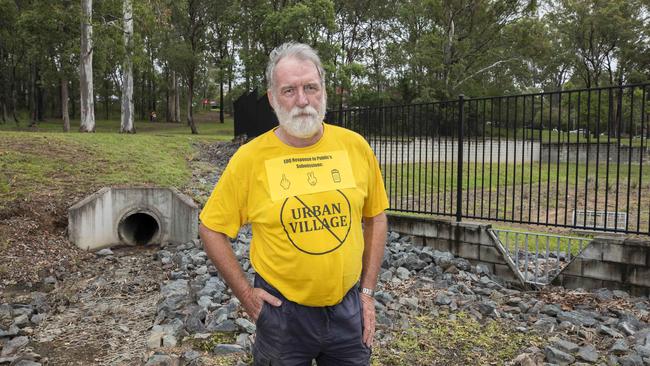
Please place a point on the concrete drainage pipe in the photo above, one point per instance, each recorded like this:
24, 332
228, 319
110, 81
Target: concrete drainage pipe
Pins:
139, 227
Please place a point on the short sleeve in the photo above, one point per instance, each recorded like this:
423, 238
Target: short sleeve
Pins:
376, 200
225, 211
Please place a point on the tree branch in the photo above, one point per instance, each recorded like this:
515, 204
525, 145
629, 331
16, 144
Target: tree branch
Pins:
483, 69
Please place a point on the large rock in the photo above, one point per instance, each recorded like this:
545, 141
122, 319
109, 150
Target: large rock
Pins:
225, 349
165, 335
620, 347
554, 355
588, 353
213, 288
175, 295
162, 360
246, 325
577, 318
630, 360
403, 273
564, 345
13, 346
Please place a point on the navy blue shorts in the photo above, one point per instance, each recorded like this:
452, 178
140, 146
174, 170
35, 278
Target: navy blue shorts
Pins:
294, 335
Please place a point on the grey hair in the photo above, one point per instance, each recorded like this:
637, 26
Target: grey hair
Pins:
300, 51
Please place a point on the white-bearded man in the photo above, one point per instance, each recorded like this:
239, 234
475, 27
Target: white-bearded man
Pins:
314, 196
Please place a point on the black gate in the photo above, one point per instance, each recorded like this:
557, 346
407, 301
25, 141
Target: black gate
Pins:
253, 115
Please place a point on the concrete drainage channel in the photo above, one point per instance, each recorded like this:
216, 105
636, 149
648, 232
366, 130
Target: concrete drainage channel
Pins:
132, 216
536, 258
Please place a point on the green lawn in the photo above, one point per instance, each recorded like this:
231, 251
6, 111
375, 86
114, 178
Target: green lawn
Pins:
563, 137
434, 177
45, 160
537, 192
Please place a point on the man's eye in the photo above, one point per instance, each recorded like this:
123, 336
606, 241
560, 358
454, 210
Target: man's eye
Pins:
288, 92
311, 88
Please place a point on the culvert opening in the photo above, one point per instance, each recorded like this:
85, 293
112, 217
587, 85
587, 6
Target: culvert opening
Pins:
138, 228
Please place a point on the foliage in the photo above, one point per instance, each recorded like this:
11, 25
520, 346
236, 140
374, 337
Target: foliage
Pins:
455, 340
374, 52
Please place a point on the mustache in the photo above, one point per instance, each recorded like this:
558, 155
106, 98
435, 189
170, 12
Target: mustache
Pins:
306, 111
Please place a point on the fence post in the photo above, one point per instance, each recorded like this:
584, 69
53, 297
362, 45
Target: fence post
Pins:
459, 176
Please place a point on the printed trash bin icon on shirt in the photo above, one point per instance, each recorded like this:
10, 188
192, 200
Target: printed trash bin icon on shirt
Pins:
336, 176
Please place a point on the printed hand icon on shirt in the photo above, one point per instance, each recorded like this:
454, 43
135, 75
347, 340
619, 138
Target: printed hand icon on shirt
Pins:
285, 183
311, 178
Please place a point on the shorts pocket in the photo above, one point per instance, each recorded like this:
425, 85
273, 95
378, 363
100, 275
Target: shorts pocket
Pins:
262, 315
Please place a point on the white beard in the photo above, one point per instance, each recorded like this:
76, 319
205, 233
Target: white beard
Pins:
301, 122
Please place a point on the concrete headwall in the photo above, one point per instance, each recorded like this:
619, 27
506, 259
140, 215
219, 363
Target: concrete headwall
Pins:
612, 263
466, 240
615, 263
93, 222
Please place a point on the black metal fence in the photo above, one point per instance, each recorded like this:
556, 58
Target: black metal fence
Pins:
576, 158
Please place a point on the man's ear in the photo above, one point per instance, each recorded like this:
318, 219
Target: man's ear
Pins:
270, 96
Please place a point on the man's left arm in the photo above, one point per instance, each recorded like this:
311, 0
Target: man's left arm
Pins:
374, 236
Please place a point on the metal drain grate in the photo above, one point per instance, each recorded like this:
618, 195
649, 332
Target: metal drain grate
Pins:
538, 258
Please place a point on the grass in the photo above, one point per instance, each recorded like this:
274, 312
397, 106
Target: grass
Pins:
529, 192
44, 160
520, 134
563, 137
211, 127
208, 344
519, 241
431, 177
461, 341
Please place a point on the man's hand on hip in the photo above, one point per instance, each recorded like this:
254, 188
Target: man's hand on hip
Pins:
255, 298
368, 307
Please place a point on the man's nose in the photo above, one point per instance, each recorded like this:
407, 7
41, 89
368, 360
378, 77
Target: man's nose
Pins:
302, 100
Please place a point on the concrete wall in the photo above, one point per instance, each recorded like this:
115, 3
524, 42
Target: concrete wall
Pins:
467, 240
583, 152
418, 150
445, 149
613, 263
93, 222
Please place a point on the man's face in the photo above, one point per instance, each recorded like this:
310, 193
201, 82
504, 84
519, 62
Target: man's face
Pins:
298, 97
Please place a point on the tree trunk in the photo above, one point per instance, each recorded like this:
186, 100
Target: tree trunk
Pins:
87, 104
14, 101
59, 111
177, 100
171, 98
40, 96
152, 91
221, 99
190, 94
127, 125
3, 92
33, 106
64, 104
73, 106
107, 98
143, 106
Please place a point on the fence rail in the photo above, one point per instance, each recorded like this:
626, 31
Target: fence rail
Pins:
561, 159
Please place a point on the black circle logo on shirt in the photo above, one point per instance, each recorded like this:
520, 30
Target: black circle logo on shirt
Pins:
317, 223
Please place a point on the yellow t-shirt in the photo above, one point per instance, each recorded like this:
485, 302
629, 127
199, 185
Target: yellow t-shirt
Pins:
305, 207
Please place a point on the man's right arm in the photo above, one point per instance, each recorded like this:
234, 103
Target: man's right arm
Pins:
217, 247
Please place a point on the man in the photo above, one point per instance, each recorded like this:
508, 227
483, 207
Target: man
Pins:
305, 188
